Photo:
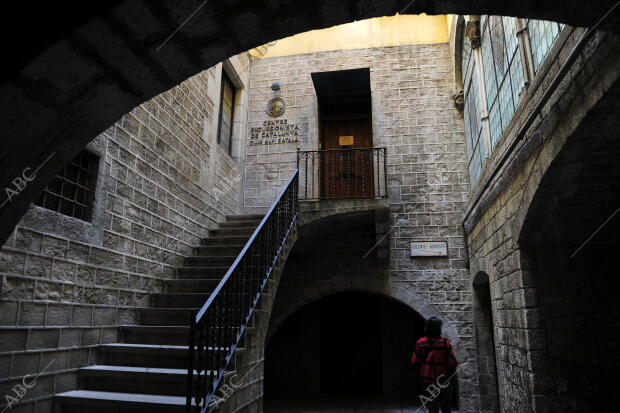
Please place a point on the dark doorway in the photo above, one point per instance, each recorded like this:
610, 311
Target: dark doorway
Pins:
488, 388
346, 141
350, 344
347, 347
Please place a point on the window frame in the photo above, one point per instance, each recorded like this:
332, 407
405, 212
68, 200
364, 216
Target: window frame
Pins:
226, 80
88, 187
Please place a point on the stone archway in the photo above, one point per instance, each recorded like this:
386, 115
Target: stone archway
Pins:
78, 79
403, 296
487, 379
301, 297
565, 240
292, 296
347, 346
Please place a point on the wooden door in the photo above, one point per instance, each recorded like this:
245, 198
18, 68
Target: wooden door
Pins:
347, 159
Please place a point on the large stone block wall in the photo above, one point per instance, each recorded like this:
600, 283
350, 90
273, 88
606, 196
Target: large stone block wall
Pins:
414, 117
163, 182
494, 228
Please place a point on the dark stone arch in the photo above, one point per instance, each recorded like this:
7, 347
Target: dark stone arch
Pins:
458, 31
74, 83
481, 278
398, 301
276, 322
484, 334
567, 272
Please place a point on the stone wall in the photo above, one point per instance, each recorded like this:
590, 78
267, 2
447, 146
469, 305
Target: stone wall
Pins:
413, 115
77, 77
163, 182
521, 265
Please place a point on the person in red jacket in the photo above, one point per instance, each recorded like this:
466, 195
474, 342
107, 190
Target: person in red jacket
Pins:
435, 363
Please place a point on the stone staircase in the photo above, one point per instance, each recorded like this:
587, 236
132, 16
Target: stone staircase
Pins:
147, 371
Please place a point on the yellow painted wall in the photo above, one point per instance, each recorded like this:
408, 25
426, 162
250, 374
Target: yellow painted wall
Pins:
378, 32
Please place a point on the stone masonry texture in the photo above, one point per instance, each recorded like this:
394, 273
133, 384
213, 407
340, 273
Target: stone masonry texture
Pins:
163, 182
414, 117
79, 76
521, 234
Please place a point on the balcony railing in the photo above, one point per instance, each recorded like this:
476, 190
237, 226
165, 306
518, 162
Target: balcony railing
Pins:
219, 325
342, 173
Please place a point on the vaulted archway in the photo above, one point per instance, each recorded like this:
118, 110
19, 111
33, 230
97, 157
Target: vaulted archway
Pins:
78, 77
567, 242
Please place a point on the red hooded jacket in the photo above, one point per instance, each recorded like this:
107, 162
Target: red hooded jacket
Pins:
434, 357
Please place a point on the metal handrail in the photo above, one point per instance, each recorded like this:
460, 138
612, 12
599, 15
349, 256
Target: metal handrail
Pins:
342, 173
219, 325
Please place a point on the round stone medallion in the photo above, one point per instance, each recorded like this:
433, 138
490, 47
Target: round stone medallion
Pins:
276, 107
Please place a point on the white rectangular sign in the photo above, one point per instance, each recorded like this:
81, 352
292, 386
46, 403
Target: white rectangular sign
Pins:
429, 249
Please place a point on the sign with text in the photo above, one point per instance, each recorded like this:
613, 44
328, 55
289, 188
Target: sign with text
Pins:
274, 131
429, 249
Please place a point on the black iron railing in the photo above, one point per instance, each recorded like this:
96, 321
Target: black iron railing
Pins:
342, 173
219, 325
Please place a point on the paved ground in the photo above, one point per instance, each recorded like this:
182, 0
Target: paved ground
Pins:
341, 406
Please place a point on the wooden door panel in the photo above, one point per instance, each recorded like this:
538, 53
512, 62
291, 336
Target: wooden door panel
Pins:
347, 170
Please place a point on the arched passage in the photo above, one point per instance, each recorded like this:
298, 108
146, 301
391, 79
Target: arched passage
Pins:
567, 242
349, 348
312, 272
488, 389
354, 345
78, 79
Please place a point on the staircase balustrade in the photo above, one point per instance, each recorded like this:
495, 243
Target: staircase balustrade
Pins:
217, 328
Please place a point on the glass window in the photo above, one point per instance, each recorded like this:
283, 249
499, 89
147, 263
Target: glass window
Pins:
471, 112
542, 35
503, 79
227, 106
466, 55
503, 72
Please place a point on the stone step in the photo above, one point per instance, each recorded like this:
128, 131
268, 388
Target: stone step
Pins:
144, 355
80, 401
171, 335
170, 316
240, 223
232, 231
202, 273
225, 240
164, 316
178, 300
218, 250
214, 260
126, 379
247, 217
185, 285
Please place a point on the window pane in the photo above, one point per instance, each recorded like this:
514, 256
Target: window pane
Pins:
502, 64
465, 63
226, 115
473, 125
516, 77
542, 35
488, 66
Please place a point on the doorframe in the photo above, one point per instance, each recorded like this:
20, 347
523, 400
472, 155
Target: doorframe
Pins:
349, 98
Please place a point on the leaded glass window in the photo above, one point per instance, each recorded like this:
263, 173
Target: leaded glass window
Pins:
471, 111
542, 35
503, 71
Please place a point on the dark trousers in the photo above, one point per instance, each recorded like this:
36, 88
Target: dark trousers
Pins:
443, 401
